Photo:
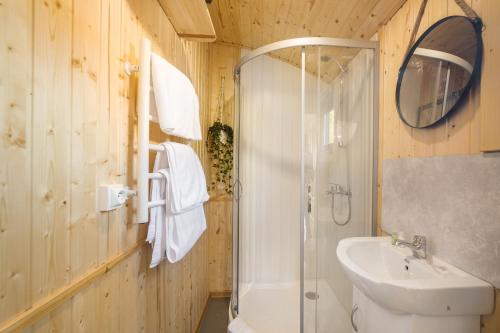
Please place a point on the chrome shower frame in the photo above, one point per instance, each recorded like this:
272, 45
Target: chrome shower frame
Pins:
238, 190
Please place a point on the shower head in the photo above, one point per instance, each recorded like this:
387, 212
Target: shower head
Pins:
327, 58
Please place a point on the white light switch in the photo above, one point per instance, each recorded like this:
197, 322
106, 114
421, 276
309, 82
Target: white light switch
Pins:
112, 196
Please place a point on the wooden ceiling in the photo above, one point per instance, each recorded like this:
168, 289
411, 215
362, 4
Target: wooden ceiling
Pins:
190, 18
253, 23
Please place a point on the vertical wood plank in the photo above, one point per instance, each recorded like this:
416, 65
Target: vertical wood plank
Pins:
153, 296
108, 319
15, 155
490, 99
130, 52
393, 32
85, 95
102, 124
129, 311
220, 245
51, 149
116, 79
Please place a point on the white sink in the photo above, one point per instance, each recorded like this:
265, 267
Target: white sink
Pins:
416, 286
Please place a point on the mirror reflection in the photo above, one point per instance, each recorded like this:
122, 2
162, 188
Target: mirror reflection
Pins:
438, 71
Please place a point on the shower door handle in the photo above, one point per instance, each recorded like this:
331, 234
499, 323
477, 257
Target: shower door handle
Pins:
353, 312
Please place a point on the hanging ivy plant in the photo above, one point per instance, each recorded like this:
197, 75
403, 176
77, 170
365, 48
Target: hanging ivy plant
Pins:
220, 148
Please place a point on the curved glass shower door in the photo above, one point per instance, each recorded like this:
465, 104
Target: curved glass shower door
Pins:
304, 180
269, 172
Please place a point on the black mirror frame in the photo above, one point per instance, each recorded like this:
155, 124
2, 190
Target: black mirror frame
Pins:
478, 28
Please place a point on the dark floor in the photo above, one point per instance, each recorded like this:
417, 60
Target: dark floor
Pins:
216, 316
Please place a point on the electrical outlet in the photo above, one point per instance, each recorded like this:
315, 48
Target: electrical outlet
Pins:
112, 196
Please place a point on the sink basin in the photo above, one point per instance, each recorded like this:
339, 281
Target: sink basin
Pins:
393, 278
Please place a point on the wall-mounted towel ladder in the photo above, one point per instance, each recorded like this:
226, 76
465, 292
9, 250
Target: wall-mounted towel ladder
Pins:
143, 144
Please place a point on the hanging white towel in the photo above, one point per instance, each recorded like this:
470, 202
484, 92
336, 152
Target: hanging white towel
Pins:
177, 105
187, 186
183, 229
173, 230
157, 218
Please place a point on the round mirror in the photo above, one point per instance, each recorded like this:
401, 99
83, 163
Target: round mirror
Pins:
438, 71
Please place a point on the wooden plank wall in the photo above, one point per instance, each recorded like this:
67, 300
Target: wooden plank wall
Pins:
68, 124
471, 129
222, 60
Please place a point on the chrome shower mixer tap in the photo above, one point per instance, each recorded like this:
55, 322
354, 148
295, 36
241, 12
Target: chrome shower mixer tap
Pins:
338, 189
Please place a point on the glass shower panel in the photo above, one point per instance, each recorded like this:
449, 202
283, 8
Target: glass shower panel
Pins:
311, 113
342, 160
269, 205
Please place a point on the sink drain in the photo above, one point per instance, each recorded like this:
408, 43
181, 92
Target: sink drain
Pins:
312, 295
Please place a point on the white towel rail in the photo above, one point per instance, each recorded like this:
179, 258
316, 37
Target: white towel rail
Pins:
155, 203
143, 144
155, 175
155, 147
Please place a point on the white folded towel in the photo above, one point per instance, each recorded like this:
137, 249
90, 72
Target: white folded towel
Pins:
175, 228
183, 229
177, 105
187, 185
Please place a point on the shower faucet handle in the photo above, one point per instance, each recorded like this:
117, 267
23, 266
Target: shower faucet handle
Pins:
334, 188
337, 189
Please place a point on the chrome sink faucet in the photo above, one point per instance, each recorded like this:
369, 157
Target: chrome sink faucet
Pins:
418, 246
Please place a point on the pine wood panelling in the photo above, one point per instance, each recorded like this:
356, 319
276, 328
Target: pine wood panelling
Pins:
103, 125
489, 10
68, 124
190, 19
251, 24
255, 23
220, 239
52, 301
86, 77
222, 60
52, 150
15, 155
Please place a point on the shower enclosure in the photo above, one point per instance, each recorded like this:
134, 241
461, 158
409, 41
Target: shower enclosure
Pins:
305, 166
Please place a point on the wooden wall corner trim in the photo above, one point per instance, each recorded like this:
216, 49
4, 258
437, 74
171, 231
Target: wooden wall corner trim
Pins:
54, 300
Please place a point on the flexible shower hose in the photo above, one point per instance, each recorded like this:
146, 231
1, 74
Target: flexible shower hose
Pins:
332, 210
